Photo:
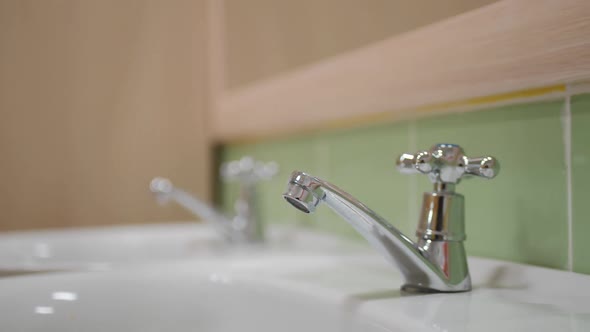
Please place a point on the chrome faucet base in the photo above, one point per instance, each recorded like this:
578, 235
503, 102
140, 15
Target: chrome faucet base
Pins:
463, 287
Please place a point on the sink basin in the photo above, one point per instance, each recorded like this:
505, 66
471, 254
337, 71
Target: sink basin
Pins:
180, 297
98, 248
153, 305
102, 248
292, 292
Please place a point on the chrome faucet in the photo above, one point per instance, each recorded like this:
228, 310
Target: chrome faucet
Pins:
437, 261
246, 225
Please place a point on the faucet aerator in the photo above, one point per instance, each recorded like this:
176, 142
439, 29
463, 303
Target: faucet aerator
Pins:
296, 203
300, 197
302, 192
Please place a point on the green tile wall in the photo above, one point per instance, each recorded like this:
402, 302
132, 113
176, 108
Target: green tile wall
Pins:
341, 157
580, 109
522, 214
519, 216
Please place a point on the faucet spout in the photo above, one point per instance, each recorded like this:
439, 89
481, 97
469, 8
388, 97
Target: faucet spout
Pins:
245, 226
165, 191
426, 266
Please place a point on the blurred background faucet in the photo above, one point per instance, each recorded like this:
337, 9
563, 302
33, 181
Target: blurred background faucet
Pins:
246, 225
437, 261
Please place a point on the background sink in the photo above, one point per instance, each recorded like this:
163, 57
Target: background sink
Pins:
98, 248
105, 247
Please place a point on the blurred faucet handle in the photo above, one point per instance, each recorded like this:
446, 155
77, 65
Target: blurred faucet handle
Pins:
267, 171
247, 170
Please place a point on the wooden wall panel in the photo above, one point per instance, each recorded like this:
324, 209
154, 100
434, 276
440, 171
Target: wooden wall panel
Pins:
97, 97
503, 48
269, 37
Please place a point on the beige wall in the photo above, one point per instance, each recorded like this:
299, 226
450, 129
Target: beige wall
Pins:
267, 37
97, 97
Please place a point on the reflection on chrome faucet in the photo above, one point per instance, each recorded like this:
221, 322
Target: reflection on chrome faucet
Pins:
437, 261
245, 226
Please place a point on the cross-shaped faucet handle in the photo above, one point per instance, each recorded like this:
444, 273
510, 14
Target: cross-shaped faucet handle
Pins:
447, 163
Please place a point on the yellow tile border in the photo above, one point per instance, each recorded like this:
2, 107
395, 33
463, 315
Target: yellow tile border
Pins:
517, 97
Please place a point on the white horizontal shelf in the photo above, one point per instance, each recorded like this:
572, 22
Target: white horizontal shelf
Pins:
508, 46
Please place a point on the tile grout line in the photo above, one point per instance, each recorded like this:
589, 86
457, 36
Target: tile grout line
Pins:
567, 141
413, 189
323, 167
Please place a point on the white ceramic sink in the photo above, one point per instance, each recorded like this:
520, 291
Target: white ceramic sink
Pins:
170, 304
104, 247
292, 292
169, 298
96, 248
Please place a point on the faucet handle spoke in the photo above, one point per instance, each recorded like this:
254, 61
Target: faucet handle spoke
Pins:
447, 164
485, 167
406, 163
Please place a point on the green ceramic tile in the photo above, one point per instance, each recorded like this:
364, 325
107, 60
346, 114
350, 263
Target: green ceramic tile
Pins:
520, 215
362, 162
580, 108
